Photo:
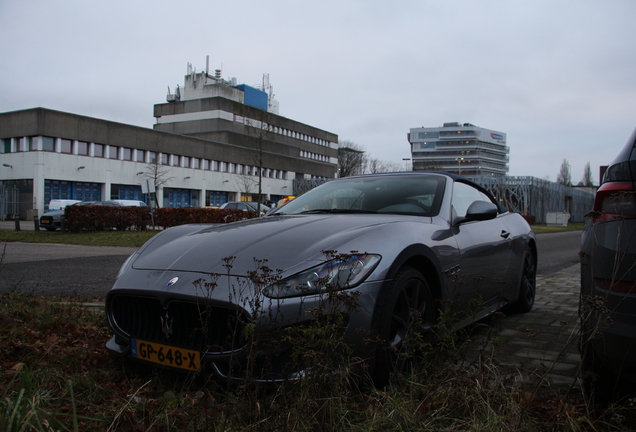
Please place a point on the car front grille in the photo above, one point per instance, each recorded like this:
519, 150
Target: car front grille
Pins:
195, 325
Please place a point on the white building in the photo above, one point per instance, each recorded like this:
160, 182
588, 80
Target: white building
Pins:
464, 149
209, 143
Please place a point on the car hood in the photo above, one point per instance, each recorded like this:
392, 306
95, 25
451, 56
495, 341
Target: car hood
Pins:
54, 213
288, 243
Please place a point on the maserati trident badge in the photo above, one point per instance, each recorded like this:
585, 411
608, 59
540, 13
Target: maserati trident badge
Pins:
166, 325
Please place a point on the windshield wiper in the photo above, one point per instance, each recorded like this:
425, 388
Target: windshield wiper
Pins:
336, 210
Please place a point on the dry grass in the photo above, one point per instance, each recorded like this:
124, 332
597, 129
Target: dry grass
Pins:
55, 374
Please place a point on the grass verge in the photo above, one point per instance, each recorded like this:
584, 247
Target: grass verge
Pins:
138, 238
542, 228
100, 238
55, 374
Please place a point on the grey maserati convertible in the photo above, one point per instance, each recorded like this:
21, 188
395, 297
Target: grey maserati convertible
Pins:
388, 254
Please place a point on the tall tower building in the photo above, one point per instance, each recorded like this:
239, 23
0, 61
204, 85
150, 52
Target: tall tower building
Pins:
464, 149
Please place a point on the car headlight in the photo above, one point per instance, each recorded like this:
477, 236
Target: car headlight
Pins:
341, 273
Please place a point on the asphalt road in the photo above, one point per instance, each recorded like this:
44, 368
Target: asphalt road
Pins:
50, 269
557, 251
90, 271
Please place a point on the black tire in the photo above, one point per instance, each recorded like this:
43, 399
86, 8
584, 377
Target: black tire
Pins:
407, 307
527, 285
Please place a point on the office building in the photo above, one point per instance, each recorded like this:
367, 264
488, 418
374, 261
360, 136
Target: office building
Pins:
459, 148
212, 142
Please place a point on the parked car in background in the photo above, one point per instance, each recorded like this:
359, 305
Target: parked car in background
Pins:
53, 220
245, 206
130, 203
384, 253
60, 204
608, 282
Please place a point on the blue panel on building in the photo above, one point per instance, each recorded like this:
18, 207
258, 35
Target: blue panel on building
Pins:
177, 197
254, 97
60, 189
128, 192
215, 199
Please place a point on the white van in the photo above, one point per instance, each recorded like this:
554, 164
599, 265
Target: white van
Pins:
60, 204
130, 203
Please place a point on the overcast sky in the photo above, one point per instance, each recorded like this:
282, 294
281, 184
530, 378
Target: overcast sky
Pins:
558, 77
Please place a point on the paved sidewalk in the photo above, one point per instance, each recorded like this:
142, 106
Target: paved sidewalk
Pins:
541, 345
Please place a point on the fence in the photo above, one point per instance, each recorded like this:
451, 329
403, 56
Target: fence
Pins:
531, 196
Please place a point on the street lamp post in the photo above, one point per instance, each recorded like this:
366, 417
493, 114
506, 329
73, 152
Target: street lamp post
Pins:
459, 164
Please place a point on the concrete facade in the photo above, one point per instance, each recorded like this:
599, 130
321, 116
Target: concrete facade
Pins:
208, 149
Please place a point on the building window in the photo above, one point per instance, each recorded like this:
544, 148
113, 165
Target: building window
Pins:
19, 145
206, 164
6, 145
223, 167
196, 163
66, 146
113, 152
176, 160
164, 158
126, 153
48, 143
215, 165
82, 148
185, 162
98, 150
152, 157
140, 155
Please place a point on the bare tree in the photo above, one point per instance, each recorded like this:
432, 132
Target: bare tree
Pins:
379, 166
588, 179
258, 124
564, 177
158, 173
352, 159
245, 182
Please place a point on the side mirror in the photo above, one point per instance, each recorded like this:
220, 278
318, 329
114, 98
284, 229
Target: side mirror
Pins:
479, 211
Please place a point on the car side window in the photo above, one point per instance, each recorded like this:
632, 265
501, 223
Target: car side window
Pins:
464, 195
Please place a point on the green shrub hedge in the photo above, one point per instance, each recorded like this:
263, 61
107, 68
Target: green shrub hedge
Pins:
99, 218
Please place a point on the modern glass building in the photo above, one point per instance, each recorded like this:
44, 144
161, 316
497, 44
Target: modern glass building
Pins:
465, 149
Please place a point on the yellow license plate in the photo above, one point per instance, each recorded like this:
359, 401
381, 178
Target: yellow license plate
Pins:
45, 221
166, 355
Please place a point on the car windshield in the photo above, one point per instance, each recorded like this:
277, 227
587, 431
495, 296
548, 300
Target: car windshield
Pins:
387, 194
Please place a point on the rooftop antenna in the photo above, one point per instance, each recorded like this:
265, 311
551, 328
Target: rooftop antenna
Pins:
207, 68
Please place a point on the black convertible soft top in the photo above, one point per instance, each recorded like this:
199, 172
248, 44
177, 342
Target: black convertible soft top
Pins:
453, 176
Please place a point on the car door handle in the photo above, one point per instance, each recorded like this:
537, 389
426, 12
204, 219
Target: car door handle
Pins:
505, 234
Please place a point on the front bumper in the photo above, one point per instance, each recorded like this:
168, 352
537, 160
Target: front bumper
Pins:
237, 341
